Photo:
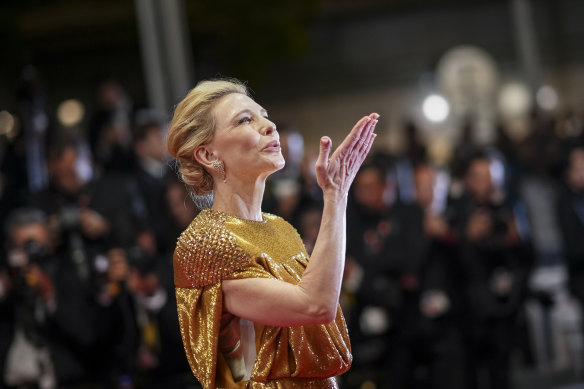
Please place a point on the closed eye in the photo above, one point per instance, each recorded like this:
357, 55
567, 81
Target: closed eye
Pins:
244, 120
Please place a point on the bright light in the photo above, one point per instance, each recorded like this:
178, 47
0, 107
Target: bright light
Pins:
436, 108
70, 112
6, 123
547, 98
514, 100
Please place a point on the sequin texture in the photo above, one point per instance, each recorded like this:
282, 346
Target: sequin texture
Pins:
216, 247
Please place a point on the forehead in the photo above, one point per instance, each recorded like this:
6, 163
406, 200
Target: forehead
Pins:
232, 104
32, 230
424, 173
480, 166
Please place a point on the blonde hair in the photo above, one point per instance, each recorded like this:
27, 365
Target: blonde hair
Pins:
192, 125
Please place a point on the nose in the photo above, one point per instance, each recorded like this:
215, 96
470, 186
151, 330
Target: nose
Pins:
269, 128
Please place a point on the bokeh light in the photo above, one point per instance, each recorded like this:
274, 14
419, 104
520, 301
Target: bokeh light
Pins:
436, 108
514, 100
7, 124
70, 112
547, 98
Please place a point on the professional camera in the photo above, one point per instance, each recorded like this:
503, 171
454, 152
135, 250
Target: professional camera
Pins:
32, 252
500, 217
139, 259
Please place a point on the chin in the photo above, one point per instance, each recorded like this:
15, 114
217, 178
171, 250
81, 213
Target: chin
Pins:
277, 165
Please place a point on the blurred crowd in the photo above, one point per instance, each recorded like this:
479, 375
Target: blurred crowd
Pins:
455, 272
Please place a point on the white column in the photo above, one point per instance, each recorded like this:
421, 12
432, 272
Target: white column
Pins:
166, 52
526, 42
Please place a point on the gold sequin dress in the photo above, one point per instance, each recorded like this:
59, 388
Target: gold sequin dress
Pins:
227, 352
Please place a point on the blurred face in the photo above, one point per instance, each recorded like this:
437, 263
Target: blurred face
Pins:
109, 94
21, 235
64, 172
182, 211
369, 189
424, 178
37, 232
152, 145
478, 180
245, 139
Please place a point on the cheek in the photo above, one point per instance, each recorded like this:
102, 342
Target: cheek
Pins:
240, 145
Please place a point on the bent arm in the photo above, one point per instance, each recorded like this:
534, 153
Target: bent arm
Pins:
315, 298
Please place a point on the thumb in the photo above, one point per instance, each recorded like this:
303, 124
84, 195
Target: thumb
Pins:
324, 152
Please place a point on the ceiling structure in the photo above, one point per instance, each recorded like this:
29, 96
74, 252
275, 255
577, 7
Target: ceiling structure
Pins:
305, 46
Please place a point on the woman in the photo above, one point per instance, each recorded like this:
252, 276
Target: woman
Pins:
254, 311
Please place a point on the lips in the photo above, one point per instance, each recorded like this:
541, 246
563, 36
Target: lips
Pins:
272, 146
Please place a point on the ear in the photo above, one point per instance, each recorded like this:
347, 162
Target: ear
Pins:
205, 157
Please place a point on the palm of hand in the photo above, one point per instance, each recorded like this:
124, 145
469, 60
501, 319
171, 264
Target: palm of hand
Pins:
335, 174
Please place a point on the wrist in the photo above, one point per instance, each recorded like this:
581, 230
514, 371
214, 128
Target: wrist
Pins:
334, 197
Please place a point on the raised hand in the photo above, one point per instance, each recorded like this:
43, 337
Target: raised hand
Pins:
335, 174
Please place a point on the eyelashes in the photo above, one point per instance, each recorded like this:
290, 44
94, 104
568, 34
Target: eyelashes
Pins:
248, 119
244, 120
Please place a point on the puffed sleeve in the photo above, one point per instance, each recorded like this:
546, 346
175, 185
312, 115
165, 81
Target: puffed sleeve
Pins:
205, 254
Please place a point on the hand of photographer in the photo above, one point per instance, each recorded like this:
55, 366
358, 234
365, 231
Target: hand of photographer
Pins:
478, 226
93, 224
435, 226
42, 281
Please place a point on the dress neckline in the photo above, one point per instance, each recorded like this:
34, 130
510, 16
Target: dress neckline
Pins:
228, 215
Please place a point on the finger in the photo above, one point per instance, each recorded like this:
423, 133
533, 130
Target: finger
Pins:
367, 148
363, 140
360, 147
367, 136
358, 156
323, 154
371, 140
353, 136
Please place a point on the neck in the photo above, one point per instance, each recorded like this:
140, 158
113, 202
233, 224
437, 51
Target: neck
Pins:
240, 198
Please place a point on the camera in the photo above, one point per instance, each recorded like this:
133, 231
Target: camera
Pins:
139, 259
35, 251
32, 252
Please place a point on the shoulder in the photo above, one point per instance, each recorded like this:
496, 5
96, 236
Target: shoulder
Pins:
206, 252
280, 224
285, 230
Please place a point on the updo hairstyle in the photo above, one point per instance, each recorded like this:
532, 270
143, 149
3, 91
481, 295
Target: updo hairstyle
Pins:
192, 125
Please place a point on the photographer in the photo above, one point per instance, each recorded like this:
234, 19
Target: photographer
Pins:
382, 246
495, 265
150, 178
151, 348
29, 298
427, 352
83, 217
570, 208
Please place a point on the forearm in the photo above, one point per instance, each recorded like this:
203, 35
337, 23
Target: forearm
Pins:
315, 298
322, 278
